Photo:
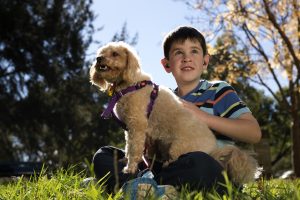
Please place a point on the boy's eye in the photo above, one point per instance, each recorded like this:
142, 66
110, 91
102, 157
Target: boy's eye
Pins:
178, 52
195, 51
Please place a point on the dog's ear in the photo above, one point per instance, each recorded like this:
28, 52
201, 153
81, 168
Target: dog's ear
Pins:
133, 65
97, 80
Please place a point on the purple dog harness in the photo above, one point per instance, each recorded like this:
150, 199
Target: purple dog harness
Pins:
109, 111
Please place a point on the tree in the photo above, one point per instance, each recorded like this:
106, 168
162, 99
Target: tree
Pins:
271, 32
124, 36
229, 62
49, 111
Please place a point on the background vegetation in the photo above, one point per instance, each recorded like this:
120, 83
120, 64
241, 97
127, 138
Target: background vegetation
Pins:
67, 184
49, 112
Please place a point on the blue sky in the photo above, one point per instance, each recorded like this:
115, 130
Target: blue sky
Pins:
150, 19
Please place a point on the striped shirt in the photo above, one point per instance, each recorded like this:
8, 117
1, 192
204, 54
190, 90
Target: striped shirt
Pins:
217, 98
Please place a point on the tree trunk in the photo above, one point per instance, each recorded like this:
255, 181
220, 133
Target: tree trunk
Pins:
296, 144
296, 130
264, 155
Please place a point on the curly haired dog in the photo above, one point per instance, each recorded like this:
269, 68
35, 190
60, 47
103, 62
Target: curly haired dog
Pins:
168, 130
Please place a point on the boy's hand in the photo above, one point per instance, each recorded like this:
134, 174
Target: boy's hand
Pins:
201, 115
244, 128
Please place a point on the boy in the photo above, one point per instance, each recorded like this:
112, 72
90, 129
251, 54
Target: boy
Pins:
221, 109
186, 57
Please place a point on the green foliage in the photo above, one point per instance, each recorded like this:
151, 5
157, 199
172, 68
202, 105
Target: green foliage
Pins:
230, 62
66, 184
49, 111
274, 189
63, 184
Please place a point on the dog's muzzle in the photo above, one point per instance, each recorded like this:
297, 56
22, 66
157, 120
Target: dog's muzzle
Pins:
100, 66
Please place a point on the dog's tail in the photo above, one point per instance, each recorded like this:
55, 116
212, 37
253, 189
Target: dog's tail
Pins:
240, 165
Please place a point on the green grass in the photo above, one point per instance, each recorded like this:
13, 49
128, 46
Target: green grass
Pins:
66, 184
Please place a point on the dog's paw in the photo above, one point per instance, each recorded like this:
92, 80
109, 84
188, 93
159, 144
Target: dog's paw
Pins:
129, 170
166, 164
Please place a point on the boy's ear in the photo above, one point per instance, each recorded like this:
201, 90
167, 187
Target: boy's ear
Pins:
205, 61
165, 64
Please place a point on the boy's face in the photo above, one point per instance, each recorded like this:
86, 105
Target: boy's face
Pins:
186, 62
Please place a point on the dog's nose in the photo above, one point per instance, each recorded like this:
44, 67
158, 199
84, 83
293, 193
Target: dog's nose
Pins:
99, 59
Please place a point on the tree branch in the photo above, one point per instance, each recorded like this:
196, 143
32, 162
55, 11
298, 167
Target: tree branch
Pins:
260, 50
283, 35
266, 86
281, 155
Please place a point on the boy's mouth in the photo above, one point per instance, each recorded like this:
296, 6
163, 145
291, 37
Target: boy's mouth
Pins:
187, 68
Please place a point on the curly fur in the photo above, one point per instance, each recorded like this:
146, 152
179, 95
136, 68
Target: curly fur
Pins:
171, 130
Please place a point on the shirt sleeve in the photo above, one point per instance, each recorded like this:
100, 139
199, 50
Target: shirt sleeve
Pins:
227, 103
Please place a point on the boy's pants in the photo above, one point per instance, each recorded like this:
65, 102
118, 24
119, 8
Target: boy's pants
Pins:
196, 169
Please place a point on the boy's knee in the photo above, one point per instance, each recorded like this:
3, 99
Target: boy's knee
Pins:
107, 152
205, 169
204, 160
202, 165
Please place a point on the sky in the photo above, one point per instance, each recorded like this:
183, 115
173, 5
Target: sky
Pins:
151, 20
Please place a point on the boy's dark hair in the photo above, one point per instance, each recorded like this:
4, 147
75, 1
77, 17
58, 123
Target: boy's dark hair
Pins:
181, 34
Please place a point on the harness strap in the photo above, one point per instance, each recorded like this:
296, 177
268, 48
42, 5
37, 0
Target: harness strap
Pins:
109, 111
117, 95
153, 96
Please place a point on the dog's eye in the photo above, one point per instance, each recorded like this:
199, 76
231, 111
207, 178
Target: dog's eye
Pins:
115, 54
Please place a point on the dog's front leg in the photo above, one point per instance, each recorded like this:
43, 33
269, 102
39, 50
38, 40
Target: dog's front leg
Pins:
135, 144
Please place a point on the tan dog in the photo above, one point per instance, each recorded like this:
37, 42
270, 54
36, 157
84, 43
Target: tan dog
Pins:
170, 130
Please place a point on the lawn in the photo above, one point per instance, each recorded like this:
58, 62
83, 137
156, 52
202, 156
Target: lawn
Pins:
66, 184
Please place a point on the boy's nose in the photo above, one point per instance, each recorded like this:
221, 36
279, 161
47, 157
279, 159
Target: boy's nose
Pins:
186, 58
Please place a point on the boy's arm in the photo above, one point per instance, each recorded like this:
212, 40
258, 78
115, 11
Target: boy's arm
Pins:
245, 128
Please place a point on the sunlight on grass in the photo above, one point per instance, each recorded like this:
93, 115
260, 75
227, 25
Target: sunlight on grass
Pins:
66, 184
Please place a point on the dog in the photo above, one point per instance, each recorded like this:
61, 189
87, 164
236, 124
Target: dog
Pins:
167, 130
